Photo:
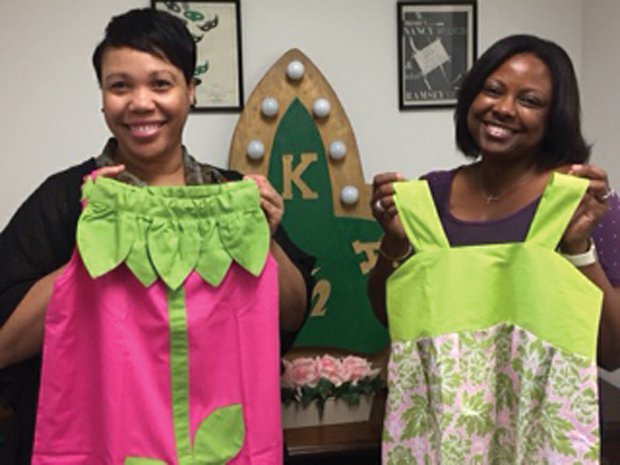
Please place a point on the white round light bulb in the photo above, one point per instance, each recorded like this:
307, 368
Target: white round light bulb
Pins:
295, 70
269, 107
255, 150
349, 195
321, 108
337, 150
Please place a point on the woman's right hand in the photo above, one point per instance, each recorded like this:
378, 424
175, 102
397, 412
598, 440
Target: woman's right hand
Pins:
384, 209
394, 243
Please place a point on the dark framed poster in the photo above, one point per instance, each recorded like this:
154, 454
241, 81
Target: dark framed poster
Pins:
436, 47
215, 26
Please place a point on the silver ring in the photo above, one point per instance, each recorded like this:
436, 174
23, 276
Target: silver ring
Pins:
607, 194
379, 206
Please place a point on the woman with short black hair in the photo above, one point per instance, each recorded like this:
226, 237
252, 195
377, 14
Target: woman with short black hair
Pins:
145, 68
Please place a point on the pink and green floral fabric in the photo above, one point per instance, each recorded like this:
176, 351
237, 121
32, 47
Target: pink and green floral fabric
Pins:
493, 346
161, 336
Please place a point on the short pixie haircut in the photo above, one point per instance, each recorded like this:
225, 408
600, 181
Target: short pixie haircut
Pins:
152, 31
563, 141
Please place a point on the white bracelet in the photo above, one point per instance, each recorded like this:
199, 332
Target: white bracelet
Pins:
583, 259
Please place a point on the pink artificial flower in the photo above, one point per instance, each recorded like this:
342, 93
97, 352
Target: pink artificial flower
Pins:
330, 368
357, 368
305, 372
288, 380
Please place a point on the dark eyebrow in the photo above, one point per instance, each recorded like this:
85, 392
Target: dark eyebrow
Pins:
115, 76
154, 74
163, 73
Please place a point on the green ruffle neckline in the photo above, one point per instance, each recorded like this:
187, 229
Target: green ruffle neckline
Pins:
167, 232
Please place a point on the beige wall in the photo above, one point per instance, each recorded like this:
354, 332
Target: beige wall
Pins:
50, 115
601, 74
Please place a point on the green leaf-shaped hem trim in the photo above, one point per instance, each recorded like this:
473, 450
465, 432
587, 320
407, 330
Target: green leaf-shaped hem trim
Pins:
220, 436
167, 232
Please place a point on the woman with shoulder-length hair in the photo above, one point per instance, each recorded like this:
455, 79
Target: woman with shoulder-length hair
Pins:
495, 278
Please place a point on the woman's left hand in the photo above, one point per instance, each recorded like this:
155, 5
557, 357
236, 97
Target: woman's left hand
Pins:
590, 211
106, 172
292, 295
270, 201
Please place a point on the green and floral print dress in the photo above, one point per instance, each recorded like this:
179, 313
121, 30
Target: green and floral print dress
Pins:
492, 346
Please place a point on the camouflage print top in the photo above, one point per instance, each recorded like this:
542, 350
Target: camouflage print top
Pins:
195, 172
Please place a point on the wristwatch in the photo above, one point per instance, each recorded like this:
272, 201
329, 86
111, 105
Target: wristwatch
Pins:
583, 259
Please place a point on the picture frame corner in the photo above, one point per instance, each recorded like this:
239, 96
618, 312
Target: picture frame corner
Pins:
431, 60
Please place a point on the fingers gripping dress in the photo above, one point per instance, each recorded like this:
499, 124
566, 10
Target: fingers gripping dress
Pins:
161, 336
492, 346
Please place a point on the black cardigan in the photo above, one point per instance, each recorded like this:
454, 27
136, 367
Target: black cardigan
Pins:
38, 240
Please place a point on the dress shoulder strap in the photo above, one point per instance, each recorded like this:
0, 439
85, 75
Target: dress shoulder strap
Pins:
559, 201
418, 214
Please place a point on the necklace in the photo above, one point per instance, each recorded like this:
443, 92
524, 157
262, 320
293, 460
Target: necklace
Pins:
491, 198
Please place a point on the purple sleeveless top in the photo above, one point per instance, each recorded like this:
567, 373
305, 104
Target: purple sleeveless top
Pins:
514, 227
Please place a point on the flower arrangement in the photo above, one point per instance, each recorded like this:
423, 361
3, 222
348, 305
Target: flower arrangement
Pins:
306, 380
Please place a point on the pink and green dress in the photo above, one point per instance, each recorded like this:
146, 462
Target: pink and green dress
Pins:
161, 336
493, 347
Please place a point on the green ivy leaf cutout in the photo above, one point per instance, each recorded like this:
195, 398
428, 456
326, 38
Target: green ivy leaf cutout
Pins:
219, 436
206, 228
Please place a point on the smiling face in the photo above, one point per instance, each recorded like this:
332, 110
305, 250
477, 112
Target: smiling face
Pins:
508, 117
146, 101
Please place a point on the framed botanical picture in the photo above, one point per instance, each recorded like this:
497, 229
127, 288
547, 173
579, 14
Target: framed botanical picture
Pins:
216, 28
436, 47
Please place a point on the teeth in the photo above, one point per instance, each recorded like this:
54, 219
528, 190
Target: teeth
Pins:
498, 131
144, 130
150, 127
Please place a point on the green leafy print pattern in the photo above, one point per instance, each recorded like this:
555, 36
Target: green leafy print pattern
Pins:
418, 419
475, 414
401, 456
497, 396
